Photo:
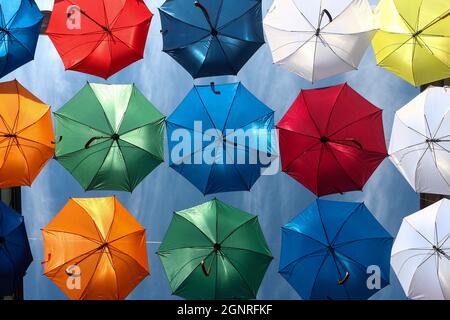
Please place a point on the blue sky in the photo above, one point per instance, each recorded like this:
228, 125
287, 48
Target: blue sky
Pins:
275, 199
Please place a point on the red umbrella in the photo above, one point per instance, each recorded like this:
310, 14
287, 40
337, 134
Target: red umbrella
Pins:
99, 37
332, 140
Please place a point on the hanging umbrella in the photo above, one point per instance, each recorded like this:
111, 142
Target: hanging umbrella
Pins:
318, 39
26, 135
95, 250
15, 253
421, 253
420, 141
414, 39
329, 250
228, 123
99, 37
20, 23
332, 140
215, 251
110, 137
211, 37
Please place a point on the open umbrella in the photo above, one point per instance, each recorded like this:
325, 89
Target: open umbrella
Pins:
421, 253
414, 39
15, 253
330, 250
214, 251
109, 137
420, 141
211, 37
332, 140
318, 39
227, 137
20, 23
26, 135
99, 37
94, 249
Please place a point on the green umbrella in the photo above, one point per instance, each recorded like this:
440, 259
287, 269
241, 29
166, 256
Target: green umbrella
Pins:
109, 137
215, 251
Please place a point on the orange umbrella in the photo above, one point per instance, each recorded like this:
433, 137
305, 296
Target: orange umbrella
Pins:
26, 135
95, 250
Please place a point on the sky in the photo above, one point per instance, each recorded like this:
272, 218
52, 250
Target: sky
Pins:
275, 199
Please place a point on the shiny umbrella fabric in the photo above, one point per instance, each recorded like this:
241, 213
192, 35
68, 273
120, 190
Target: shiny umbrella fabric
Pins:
15, 253
318, 39
211, 37
20, 23
421, 253
420, 141
231, 126
214, 251
94, 249
330, 250
332, 140
109, 137
26, 135
99, 37
414, 39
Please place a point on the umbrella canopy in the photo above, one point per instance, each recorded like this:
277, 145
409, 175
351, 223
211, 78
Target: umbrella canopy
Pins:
211, 37
318, 39
225, 123
95, 250
215, 251
332, 140
15, 253
20, 23
414, 38
110, 137
99, 37
26, 135
420, 141
421, 253
328, 250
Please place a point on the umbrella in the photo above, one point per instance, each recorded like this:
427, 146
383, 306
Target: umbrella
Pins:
228, 124
414, 38
95, 250
421, 253
15, 253
318, 39
26, 135
110, 137
214, 251
20, 23
99, 37
329, 251
420, 141
332, 140
211, 37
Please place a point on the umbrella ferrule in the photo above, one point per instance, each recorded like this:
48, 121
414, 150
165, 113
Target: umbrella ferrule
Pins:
2, 241
217, 247
324, 139
115, 137
10, 135
433, 140
439, 250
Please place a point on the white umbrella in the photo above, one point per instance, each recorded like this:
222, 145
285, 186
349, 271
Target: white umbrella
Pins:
318, 39
420, 255
420, 141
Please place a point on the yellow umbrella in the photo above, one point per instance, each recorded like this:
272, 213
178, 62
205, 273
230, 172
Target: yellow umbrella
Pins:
414, 39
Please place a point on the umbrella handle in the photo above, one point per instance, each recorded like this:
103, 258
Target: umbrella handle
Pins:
59, 140
49, 256
356, 142
324, 12
88, 144
206, 14
213, 88
345, 279
328, 14
206, 273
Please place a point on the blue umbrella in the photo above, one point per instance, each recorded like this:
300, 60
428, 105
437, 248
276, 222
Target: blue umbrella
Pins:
220, 138
20, 23
335, 250
211, 37
15, 253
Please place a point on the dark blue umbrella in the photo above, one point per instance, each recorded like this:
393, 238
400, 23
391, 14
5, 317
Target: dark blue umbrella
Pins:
20, 23
221, 138
15, 253
335, 250
211, 37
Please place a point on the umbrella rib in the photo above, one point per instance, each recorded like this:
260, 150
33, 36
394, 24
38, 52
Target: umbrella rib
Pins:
231, 106
305, 235
345, 243
419, 162
128, 255
237, 18
148, 124
238, 228
204, 107
400, 270
102, 38
334, 106
292, 265
57, 268
196, 227
182, 21
333, 242
338, 56
301, 13
314, 59
125, 162
101, 165
29, 126
392, 52
248, 250
240, 275
418, 232
80, 123
288, 166
331, 150
433, 151
356, 121
296, 50
226, 56
318, 272
26, 160
271, 113
72, 233
93, 274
